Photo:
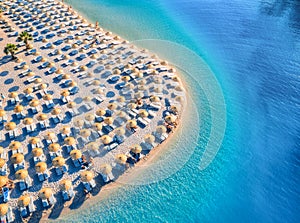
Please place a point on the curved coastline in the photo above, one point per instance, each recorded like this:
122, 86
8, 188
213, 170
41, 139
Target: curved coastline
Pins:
152, 154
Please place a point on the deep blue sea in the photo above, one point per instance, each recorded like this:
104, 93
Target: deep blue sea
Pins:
253, 49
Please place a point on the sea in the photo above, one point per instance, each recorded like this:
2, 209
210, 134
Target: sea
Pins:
238, 155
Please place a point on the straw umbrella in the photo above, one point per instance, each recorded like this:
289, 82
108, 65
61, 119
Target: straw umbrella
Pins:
2, 113
96, 82
37, 152
71, 104
70, 141
105, 169
112, 106
120, 131
34, 103
56, 111
17, 158
66, 130
179, 99
42, 117
13, 94
136, 148
170, 119
58, 161
121, 114
41, 167
21, 174
131, 124
2, 162
179, 88
79, 123
34, 140
158, 90
48, 97
10, 126
89, 117
97, 126
86, 176
93, 146
100, 112
54, 147
174, 108
161, 129
106, 139
3, 209
14, 145
65, 93
154, 98
129, 86
125, 78
121, 158
24, 201
3, 181
143, 113
121, 99
108, 120
149, 138
139, 95
75, 154
65, 184
175, 79
28, 91
45, 193
28, 121
43, 86
85, 133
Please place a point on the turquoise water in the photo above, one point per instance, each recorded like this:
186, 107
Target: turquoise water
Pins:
252, 48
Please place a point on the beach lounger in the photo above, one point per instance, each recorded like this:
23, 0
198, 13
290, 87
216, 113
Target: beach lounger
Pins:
44, 124
19, 166
23, 212
41, 158
58, 171
31, 206
10, 216
155, 106
93, 183
3, 170
4, 155
142, 122
111, 146
45, 203
65, 195
87, 186
76, 163
41, 177
5, 194
23, 186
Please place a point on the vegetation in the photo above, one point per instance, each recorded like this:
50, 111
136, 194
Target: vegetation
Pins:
25, 37
11, 49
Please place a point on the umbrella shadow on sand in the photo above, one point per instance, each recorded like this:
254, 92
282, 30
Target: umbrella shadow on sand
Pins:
79, 198
57, 208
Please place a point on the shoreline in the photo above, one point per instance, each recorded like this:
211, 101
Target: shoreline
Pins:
153, 155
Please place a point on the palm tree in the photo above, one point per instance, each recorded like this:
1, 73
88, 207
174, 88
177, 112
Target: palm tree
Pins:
25, 37
1, 11
11, 49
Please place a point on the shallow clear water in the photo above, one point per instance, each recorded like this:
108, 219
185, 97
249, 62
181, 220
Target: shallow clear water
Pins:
252, 48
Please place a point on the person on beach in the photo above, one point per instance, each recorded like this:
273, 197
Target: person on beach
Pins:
2, 99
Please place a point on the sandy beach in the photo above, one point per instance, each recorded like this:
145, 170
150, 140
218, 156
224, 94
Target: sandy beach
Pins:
105, 102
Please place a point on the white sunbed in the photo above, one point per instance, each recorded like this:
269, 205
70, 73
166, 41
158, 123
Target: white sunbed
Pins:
41, 158
3, 170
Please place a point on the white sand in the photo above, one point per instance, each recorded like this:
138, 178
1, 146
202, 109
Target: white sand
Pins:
104, 157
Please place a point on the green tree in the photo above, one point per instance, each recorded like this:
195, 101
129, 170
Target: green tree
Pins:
25, 37
11, 49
